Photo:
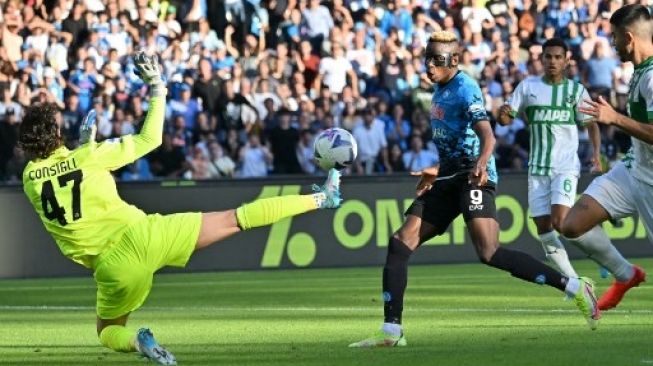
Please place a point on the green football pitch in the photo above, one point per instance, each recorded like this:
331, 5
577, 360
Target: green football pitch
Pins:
455, 315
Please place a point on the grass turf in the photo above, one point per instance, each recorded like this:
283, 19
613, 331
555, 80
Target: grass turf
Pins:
455, 315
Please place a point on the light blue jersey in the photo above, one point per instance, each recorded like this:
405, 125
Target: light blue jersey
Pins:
455, 108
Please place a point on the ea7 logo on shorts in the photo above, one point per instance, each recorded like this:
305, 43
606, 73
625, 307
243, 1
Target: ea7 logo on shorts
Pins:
476, 196
475, 207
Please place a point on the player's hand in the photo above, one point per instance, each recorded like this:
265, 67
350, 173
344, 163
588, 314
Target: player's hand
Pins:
478, 176
505, 115
426, 179
505, 110
147, 68
601, 111
88, 129
597, 167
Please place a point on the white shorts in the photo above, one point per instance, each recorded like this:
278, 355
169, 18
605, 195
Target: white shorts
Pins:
623, 195
544, 191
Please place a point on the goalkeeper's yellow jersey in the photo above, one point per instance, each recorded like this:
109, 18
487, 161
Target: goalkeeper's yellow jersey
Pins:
75, 194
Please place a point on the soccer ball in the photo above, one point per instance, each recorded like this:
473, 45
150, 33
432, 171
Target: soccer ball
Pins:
335, 148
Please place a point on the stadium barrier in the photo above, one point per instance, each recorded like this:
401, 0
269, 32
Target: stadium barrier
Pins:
354, 235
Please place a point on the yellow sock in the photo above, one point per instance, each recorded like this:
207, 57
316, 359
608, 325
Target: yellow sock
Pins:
118, 338
267, 211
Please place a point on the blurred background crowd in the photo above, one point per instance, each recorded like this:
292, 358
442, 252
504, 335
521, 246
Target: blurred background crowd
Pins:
251, 82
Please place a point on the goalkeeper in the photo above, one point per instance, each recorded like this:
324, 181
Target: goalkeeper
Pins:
76, 198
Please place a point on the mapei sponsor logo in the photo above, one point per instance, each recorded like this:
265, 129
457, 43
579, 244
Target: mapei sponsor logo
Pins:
551, 115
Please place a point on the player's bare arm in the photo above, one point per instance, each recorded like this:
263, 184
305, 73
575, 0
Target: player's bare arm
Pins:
595, 139
479, 175
602, 112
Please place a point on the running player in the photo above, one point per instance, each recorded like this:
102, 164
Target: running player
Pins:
628, 187
464, 182
76, 198
551, 103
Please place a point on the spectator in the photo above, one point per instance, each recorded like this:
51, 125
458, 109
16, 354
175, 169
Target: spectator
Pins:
397, 128
200, 164
254, 158
221, 165
187, 107
318, 22
372, 145
230, 107
83, 83
137, 171
598, 81
334, 70
284, 139
396, 158
10, 113
417, 158
168, 160
305, 155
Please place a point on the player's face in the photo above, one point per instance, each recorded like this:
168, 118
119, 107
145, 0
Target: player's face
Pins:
438, 68
554, 60
623, 43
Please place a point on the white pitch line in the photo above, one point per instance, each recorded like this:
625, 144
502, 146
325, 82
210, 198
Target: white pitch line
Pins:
315, 309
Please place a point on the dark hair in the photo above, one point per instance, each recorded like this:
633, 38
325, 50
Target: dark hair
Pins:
555, 42
629, 14
39, 132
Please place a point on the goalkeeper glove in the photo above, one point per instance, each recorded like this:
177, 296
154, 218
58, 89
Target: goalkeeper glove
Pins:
147, 68
88, 128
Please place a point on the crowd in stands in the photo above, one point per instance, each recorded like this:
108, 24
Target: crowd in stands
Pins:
251, 82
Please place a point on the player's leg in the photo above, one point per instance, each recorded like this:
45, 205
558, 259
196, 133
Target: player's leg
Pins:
217, 226
114, 335
479, 210
428, 216
608, 196
124, 277
540, 193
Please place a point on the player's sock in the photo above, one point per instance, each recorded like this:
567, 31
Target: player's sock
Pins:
392, 329
596, 244
395, 277
556, 253
267, 211
572, 287
527, 268
118, 338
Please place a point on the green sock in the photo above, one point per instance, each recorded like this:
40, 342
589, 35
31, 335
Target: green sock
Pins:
118, 338
267, 211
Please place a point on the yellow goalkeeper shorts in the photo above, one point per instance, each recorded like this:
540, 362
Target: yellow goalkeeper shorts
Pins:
124, 273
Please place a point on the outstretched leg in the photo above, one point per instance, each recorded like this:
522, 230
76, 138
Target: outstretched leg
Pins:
484, 233
217, 226
582, 227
